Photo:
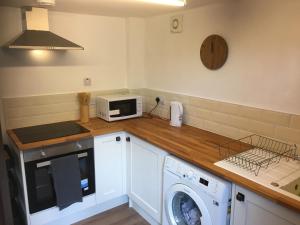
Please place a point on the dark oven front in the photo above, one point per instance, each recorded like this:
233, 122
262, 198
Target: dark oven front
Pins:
40, 188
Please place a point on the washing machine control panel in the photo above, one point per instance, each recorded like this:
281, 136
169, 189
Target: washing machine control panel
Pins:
189, 173
203, 181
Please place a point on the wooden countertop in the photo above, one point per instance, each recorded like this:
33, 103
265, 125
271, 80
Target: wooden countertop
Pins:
194, 145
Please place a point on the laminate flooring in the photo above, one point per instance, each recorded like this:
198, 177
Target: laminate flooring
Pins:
121, 215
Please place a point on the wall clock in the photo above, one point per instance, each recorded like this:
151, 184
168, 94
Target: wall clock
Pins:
214, 52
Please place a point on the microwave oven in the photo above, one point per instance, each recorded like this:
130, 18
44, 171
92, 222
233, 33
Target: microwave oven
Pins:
118, 107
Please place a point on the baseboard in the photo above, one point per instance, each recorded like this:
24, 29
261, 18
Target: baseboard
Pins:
143, 213
84, 214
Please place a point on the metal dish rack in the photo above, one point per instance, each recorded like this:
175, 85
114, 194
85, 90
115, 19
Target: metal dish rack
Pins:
255, 152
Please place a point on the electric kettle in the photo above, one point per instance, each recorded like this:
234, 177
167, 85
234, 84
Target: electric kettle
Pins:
176, 113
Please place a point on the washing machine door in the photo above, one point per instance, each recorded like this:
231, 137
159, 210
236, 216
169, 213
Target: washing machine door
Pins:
184, 206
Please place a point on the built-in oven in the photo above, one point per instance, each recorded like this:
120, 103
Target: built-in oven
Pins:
39, 181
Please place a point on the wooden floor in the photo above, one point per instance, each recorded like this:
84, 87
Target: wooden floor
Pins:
122, 215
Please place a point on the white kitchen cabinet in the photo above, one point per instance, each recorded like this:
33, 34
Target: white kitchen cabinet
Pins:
110, 166
145, 169
249, 208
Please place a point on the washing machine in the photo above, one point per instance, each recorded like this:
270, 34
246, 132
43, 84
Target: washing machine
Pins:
192, 196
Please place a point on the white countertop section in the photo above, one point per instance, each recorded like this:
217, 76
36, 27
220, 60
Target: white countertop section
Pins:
281, 173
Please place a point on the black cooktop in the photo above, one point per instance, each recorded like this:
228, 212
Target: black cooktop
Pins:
48, 131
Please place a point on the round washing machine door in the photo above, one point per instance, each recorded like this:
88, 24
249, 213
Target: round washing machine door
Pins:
185, 207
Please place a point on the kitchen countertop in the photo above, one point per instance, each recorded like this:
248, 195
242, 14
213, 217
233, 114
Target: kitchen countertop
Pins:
194, 145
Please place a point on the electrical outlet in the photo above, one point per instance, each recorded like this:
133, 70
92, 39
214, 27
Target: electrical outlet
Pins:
161, 100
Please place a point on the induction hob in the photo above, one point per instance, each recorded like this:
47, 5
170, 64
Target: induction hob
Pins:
49, 131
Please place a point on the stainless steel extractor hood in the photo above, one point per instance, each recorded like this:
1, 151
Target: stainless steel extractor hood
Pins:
36, 34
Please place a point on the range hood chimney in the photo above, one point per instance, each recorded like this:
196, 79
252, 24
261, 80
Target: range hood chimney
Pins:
36, 34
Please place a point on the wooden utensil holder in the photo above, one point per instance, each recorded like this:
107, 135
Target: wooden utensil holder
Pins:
84, 113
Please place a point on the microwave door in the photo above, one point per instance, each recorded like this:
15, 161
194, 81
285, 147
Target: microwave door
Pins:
122, 108
114, 113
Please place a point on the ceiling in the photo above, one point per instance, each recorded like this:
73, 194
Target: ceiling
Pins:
122, 8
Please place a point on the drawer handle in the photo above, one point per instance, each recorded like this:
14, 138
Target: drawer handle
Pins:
128, 139
48, 163
118, 138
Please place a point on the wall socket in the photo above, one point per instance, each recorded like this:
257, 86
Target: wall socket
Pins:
161, 100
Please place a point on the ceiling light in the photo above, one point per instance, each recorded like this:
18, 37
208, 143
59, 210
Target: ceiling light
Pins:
167, 2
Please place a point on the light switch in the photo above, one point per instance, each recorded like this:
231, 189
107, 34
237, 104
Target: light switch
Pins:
87, 81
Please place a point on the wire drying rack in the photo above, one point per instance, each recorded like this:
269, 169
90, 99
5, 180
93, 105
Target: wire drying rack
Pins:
255, 152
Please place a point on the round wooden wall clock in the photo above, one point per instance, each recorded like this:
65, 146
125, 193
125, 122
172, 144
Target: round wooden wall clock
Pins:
214, 52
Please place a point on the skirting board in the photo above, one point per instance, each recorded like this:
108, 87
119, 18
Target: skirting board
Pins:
142, 213
84, 214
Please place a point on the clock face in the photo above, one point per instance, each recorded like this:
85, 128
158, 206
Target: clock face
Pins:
214, 52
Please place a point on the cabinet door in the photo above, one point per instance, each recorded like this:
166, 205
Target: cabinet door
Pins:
250, 208
145, 169
110, 166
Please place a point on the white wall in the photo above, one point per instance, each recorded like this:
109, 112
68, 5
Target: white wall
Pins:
25, 73
263, 67
135, 52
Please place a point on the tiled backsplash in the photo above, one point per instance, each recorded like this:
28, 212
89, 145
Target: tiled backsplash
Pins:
35, 110
231, 120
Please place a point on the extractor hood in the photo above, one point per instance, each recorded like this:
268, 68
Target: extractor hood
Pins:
36, 34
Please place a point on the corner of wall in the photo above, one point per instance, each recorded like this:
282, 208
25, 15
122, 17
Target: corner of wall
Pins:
135, 34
